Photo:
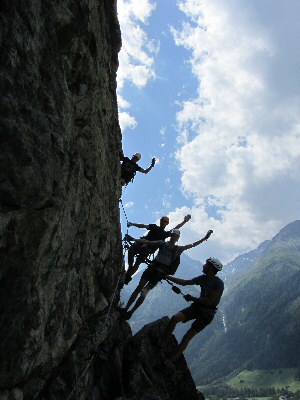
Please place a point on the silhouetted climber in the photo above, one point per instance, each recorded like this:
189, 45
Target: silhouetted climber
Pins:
203, 309
129, 168
165, 263
141, 250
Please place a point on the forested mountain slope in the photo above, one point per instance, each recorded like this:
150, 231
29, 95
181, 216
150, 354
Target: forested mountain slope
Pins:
257, 325
262, 312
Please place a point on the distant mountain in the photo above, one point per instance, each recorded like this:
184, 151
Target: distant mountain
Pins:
243, 263
262, 313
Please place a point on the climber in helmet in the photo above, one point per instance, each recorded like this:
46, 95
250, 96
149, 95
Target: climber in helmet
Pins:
142, 251
165, 263
203, 308
129, 168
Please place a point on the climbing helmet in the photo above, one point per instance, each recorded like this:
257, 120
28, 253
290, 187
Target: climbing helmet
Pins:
137, 155
215, 262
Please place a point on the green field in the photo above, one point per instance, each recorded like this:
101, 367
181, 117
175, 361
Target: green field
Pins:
261, 379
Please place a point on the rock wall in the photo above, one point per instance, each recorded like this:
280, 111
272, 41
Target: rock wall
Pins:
61, 262
60, 244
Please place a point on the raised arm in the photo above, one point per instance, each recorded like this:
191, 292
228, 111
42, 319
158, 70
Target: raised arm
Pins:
145, 171
185, 220
189, 246
129, 224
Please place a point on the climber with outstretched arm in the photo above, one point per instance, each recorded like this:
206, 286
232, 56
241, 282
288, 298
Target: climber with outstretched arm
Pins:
165, 263
141, 250
203, 308
130, 167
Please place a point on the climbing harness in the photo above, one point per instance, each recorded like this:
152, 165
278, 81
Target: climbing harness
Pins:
127, 243
128, 170
95, 352
127, 237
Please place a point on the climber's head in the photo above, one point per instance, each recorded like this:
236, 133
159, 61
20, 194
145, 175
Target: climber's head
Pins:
175, 235
213, 266
136, 157
164, 221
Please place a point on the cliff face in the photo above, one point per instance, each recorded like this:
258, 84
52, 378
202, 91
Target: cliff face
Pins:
60, 233
61, 336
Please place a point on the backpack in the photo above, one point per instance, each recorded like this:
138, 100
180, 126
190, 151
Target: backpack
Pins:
174, 266
128, 170
171, 269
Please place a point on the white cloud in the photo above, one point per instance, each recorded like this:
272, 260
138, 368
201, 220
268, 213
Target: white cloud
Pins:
126, 121
163, 131
122, 102
244, 155
166, 201
129, 204
136, 58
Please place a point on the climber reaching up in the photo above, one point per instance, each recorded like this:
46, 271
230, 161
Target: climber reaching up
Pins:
203, 308
141, 250
130, 167
165, 263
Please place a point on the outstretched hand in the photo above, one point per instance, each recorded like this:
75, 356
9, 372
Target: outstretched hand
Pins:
187, 218
208, 234
153, 162
187, 297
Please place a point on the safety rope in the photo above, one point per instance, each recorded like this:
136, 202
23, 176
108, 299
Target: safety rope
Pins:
101, 335
148, 259
175, 288
124, 213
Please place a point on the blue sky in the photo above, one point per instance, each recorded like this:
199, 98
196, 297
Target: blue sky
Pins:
211, 88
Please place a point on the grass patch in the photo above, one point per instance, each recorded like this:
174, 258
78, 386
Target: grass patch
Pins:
284, 378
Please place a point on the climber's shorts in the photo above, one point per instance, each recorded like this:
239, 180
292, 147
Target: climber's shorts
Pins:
152, 276
201, 316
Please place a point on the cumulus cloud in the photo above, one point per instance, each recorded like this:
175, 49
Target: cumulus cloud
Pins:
242, 160
166, 201
129, 204
136, 58
126, 121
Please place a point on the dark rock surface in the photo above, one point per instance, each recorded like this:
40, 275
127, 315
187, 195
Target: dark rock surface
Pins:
61, 336
145, 373
60, 234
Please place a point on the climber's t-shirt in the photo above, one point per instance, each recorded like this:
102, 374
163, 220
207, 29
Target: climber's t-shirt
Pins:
156, 233
129, 169
208, 286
